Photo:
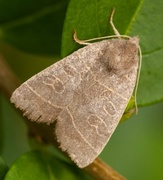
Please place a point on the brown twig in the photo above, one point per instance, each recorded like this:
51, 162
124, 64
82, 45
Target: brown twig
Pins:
101, 171
8, 83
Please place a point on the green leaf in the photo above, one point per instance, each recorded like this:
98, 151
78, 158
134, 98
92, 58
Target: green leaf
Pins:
43, 166
142, 18
92, 20
149, 27
33, 26
3, 169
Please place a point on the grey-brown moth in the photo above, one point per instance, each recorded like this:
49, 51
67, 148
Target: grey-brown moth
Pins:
86, 93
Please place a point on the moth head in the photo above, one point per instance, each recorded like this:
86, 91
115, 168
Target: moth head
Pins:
123, 56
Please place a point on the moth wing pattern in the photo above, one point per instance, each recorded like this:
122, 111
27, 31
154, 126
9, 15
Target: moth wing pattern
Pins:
83, 96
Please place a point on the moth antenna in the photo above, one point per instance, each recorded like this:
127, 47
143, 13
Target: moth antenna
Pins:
85, 42
112, 24
137, 79
117, 34
82, 42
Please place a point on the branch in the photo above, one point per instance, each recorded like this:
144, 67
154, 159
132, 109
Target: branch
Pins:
8, 83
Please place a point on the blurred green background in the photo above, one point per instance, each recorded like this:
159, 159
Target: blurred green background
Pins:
34, 34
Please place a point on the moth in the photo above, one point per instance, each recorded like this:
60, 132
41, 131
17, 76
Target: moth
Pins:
85, 92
